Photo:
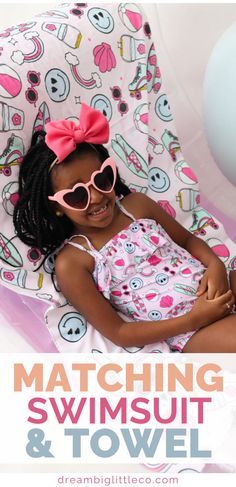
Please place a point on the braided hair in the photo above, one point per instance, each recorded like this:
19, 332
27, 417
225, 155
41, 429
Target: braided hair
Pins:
34, 218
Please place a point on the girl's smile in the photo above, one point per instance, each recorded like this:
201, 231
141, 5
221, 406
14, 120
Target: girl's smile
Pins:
99, 211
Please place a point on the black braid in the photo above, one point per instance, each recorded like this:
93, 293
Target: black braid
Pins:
34, 218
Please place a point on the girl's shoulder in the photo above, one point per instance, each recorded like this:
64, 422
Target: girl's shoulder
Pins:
71, 258
138, 204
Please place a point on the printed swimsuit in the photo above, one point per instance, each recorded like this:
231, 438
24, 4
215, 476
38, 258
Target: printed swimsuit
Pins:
145, 274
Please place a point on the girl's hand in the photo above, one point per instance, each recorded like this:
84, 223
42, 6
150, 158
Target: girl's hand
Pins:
214, 281
206, 311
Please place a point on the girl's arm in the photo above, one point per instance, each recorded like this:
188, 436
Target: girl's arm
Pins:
215, 278
194, 245
74, 275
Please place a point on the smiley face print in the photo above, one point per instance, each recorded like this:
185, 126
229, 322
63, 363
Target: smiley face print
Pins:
162, 279
158, 180
102, 104
72, 327
129, 247
136, 283
154, 315
101, 19
162, 109
57, 85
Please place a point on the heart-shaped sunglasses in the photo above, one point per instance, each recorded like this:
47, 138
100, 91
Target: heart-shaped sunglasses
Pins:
78, 198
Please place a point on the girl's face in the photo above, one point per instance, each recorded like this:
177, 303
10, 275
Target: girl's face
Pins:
99, 213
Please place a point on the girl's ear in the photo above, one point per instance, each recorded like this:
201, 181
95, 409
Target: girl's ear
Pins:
57, 210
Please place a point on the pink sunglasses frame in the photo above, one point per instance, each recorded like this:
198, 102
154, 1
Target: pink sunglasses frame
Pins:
58, 197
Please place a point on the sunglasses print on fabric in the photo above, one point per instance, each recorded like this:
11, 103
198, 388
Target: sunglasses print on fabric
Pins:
78, 9
78, 198
117, 95
33, 79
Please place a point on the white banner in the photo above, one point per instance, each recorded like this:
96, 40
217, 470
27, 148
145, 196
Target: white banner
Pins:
117, 480
117, 408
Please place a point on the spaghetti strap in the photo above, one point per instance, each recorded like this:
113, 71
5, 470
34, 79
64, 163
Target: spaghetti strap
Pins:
126, 212
75, 244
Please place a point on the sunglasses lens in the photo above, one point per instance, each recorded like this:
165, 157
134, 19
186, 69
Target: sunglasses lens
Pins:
33, 78
77, 199
31, 95
105, 179
77, 11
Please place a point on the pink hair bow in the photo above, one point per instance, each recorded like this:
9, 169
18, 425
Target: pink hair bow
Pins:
62, 136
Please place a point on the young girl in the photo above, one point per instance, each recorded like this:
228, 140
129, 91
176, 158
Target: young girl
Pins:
119, 250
